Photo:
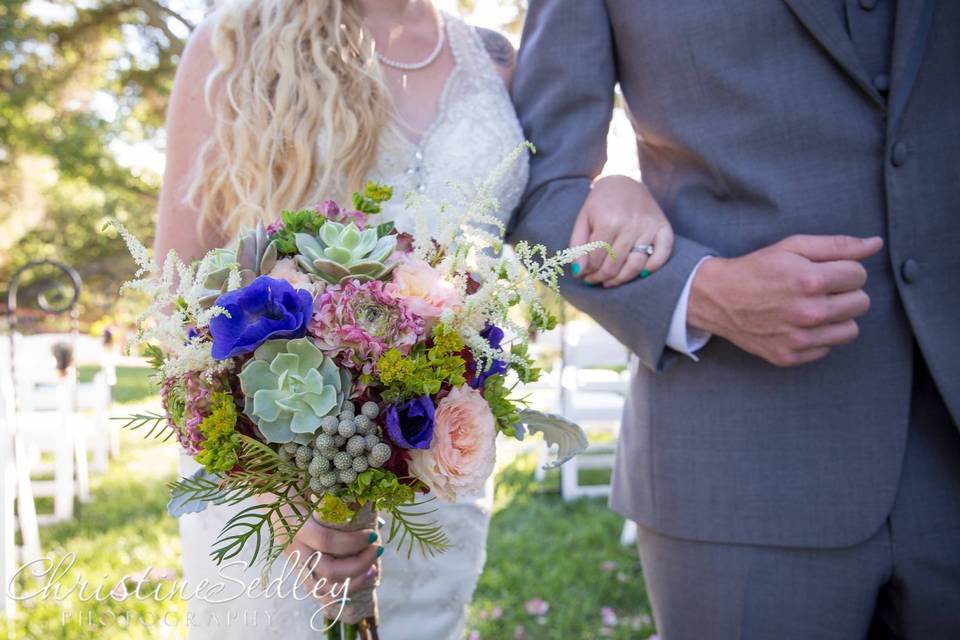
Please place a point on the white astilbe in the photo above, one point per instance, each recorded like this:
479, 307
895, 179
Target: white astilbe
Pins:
174, 291
470, 241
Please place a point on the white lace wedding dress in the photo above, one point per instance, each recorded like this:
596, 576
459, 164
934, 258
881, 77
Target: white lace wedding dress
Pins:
420, 598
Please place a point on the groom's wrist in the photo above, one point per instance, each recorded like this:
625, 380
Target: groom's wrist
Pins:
705, 308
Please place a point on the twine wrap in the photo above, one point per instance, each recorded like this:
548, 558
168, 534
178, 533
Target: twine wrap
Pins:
363, 601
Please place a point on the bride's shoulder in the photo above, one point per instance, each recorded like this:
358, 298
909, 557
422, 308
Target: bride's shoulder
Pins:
501, 51
198, 59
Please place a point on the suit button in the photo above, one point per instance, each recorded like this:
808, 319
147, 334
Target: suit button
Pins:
868, 5
898, 156
910, 270
882, 83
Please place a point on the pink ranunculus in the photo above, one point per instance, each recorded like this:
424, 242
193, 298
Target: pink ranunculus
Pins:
462, 453
356, 322
424, 288
286, 269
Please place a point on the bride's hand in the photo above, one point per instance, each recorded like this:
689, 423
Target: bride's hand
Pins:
621, 212
333, 556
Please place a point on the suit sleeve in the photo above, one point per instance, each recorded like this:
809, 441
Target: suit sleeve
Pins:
563, 91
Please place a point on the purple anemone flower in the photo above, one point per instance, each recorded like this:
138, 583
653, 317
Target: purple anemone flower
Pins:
410, 425
265, 309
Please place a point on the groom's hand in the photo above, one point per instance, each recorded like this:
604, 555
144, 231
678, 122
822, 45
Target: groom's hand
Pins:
788, 303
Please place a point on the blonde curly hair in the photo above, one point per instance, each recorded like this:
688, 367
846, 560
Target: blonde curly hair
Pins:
299, 105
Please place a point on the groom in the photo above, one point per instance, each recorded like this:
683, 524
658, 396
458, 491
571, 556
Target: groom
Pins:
801, 479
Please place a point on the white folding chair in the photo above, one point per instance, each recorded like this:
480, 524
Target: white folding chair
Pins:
93, 416
17, 508
50, 432
594, 383
8, 495
46, 424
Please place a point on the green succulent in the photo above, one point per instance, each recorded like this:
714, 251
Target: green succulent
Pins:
289, 387
255, 255
343, 252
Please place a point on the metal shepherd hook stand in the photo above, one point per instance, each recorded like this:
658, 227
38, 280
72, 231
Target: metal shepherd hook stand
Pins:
15, 456
44, 302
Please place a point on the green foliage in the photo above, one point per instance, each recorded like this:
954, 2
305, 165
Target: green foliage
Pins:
505, 412
218, 452
333, 510
410, 531
155, 356
301, 221
372, 197
541, 319
156, 424
425, 369
523, 364
382, 488
262, 472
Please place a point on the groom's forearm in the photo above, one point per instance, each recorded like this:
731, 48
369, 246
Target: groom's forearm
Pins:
638, 313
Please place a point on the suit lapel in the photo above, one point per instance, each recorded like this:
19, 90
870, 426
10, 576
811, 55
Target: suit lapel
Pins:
820, 19
914, 18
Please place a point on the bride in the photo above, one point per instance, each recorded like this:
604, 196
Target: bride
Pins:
280, 104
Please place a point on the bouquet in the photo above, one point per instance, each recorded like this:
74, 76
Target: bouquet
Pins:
335, 368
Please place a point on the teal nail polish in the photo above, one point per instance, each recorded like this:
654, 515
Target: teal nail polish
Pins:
372, 537
644, 273
380, 551
575, 269
590, 284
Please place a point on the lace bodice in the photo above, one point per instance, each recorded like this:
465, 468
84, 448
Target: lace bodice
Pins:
475, 128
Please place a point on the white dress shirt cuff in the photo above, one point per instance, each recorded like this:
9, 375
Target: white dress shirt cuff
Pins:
681, 337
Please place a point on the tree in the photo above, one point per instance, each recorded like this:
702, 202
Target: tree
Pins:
76, 81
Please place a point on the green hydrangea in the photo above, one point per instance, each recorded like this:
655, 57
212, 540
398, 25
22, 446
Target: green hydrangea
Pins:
333, 510
423, 371
505, 411
382, 488
218, 453
289, 387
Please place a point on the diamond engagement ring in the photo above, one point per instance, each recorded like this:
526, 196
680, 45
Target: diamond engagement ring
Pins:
643, 248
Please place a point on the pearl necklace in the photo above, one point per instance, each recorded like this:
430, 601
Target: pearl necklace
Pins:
426, 62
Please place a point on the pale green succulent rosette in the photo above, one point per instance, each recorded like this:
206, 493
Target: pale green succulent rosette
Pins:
254, 255
289, 387
343, 252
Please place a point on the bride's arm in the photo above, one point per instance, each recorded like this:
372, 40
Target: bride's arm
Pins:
189, 125
564, 92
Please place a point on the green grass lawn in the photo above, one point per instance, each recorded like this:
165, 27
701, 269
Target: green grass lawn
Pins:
552, 567
133, 383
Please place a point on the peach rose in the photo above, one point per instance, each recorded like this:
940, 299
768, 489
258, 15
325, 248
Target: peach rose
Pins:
286, 269
426, 292
462, 453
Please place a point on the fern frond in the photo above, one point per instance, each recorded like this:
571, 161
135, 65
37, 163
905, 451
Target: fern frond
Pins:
156, 424
428, 536
254, 524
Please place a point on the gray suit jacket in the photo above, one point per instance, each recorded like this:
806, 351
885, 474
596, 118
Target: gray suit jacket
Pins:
755, 121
